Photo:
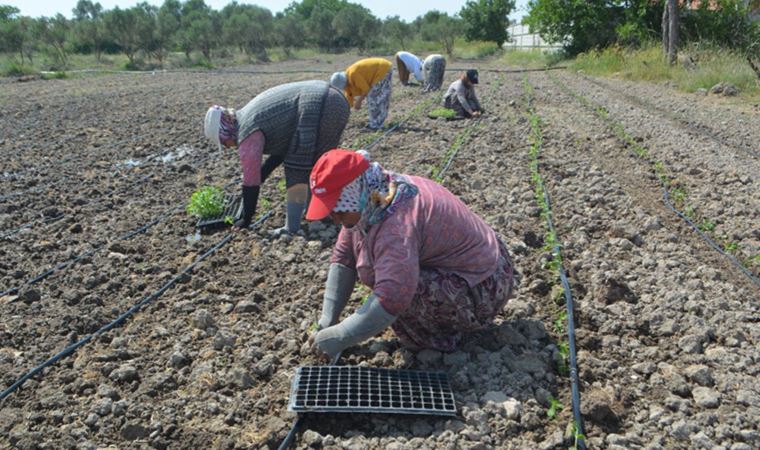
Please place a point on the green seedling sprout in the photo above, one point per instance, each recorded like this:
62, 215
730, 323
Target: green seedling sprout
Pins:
206, 202
707, 225
229, 220
555, 406
731, 247
446, 113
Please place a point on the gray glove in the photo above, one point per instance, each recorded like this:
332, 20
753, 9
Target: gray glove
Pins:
340, 284
366, 322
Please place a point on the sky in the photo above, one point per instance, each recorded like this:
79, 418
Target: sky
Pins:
406, 9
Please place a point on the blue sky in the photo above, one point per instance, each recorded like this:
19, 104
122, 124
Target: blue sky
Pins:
407, 9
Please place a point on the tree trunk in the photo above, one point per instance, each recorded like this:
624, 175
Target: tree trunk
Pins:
665, 28
673, 32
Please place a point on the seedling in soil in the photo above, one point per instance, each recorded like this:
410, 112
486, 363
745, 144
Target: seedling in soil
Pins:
229, 220
564, 356
555, 406
690, 212
731, 247
577, 436
206, 202
707, 225
281, 186
560, 321
313, 327
753, 260
678, 195
445, 113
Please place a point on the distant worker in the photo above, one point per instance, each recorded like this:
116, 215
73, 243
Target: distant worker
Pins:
406, 64
295, 124
367, 78
436, 269
461, 95
433, 69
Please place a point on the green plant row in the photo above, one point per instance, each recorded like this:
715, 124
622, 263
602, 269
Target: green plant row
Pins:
676, 192
552, 245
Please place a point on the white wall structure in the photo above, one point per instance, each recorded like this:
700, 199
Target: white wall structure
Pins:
520, 38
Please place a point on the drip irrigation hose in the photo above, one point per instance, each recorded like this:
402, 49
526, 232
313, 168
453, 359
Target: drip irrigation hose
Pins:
30, 225
575, 394
90, 252
669, 205
708, 239
120, 319
677, 118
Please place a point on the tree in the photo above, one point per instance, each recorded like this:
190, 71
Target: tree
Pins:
168, 20
200, 28
670, 31
487, 20
580, 24
55, 32
440, 27
355, 26
248, 27
288, 31
88, 26
397, 31
122, 28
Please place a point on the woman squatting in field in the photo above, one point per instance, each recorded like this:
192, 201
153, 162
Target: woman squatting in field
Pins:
294, 123
461, 95
367, 78
435, 268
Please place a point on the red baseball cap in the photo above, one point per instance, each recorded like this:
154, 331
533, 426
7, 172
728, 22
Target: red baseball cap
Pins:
333, 171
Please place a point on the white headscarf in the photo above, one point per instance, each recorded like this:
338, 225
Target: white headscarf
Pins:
211, 125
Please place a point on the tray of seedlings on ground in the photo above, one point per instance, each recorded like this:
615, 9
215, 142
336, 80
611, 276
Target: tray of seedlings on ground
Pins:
214, 209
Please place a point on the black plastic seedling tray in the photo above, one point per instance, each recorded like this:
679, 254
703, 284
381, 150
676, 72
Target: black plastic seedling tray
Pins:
448, 119
233, 207
352, 389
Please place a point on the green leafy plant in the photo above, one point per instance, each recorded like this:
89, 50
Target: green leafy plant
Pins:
753, 260
577, 436
313, 327
229, 220
206, 202
707, 225
555, 406
731, 247
690, 211
446, 113
564, 356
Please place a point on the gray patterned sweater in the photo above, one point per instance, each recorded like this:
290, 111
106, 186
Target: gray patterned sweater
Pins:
289, 116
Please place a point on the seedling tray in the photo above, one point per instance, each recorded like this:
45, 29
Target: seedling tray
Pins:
233, 206
352, 389
448, 119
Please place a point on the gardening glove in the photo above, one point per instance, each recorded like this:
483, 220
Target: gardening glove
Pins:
338, 288
366, 322
250, 199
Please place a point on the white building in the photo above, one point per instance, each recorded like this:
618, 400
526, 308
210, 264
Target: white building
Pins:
520, 38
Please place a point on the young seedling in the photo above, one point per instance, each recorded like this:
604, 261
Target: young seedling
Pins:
731, 247
577, 436
206, 202
707, 225
555, 406
229, 220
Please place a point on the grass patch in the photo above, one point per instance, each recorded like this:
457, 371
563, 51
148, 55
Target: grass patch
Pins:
14, 69
703, 67
530, 59
475, 49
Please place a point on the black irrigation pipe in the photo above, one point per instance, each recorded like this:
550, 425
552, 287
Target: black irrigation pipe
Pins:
710, 242
675, 118
120, 319
544, 69
30, 225
669, 205
575, 396
574, 381
90, 252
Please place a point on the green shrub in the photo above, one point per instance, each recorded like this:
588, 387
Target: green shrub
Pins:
206, 202
14, 69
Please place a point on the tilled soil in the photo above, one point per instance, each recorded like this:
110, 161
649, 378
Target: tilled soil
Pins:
667, 327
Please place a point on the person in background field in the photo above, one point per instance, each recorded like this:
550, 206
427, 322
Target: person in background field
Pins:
367, 78
433, 69
461, 95
406, 64
427, 288
294, 123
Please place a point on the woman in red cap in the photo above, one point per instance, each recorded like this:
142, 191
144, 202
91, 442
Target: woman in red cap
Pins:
435, 268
